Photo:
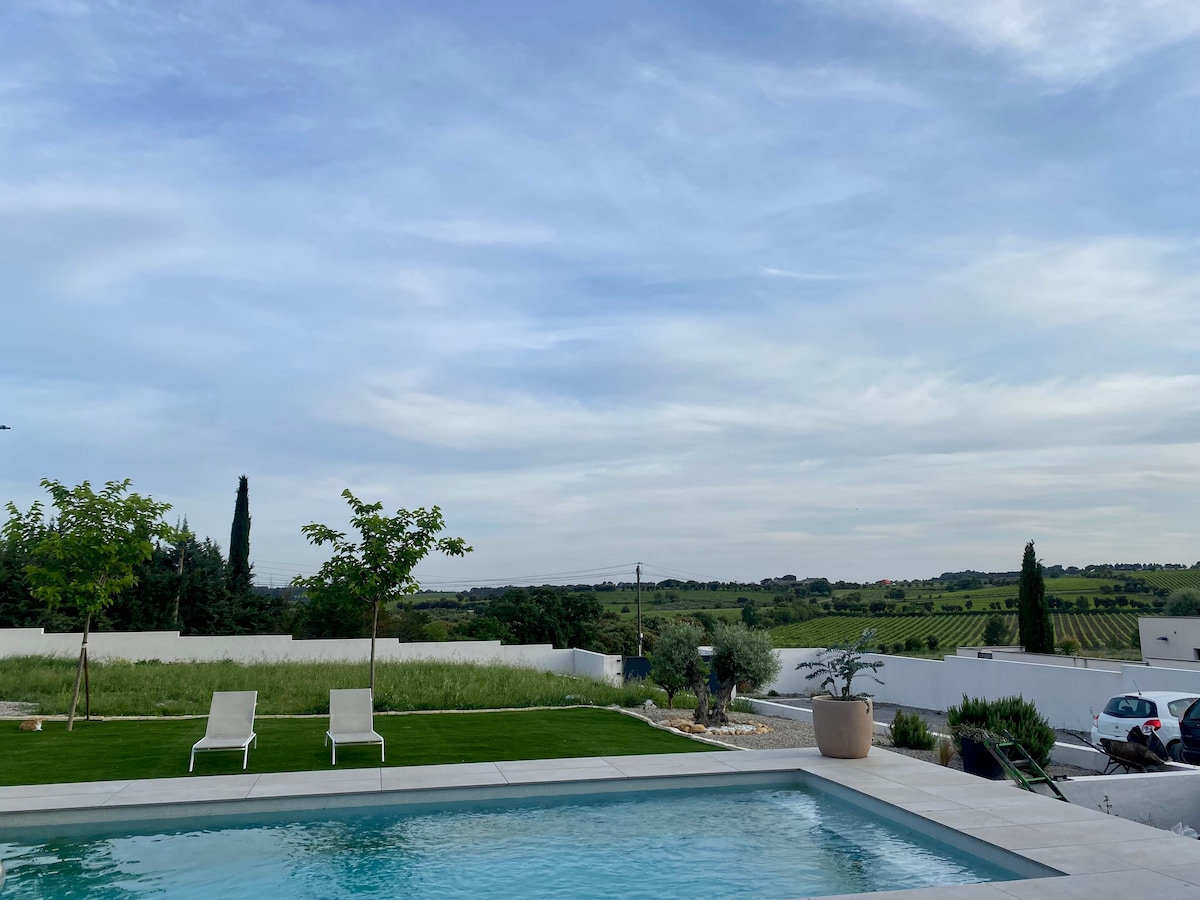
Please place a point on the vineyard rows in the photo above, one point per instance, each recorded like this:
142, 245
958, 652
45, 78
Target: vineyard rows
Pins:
1172, 579
1096, 630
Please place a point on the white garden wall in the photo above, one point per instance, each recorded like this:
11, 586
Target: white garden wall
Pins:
1160, 799
1067, 697
170, 646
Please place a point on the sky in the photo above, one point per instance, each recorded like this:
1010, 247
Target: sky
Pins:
861, 289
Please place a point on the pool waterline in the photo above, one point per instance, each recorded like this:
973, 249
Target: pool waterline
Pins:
1030, 834
650, 844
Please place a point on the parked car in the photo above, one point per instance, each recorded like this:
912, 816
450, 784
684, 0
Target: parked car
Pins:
1148, 711
1189, 734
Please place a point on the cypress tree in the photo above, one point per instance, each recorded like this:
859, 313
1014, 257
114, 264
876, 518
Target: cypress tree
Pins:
1033, 613
238, 573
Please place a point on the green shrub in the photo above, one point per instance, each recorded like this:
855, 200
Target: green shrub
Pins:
1069, 646
912, 731
1014, 715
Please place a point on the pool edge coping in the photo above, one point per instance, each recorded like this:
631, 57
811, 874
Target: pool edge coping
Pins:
1049, 836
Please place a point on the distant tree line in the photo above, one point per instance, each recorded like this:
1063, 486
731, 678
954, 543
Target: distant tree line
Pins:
185, 584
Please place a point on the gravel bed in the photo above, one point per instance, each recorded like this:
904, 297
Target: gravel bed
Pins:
792, 733
784, 732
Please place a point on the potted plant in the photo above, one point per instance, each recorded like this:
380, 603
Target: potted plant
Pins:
976, 720
842, 718
972, 750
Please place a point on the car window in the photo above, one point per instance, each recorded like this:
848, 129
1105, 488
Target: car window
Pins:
1130, 708
1179, 707
1192, 714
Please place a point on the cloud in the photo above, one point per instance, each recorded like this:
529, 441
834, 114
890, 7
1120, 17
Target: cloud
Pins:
799, 276
780, 295
1060, 42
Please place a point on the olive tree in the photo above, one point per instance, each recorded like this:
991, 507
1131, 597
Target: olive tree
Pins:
740, 657
674, 662
376, 567
88, 553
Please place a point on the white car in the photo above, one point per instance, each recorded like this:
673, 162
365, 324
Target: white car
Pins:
1148, 711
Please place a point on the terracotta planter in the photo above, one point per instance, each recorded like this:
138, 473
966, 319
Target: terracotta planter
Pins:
844, 727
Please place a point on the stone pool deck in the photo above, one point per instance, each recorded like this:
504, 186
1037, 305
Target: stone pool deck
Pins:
1097, 855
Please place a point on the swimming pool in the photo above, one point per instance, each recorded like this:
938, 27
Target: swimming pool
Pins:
723, 843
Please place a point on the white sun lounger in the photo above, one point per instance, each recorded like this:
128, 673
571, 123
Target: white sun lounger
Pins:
230, 724
351, 720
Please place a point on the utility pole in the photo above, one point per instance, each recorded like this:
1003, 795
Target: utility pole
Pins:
639, 606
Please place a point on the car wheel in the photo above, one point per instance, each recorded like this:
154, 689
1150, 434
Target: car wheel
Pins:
1175, 751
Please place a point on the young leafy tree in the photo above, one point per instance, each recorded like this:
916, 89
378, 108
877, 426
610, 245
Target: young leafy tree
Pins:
89, 553
1036, 628
239, 576
377, 567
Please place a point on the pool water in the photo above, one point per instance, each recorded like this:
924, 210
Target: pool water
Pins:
718, 844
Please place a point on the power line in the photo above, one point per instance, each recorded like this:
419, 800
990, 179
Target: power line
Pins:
676, 573
286, 569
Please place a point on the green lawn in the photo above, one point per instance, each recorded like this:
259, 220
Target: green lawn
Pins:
159, 748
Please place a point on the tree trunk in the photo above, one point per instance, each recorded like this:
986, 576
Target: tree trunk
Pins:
87, 624
175, 621
720, 703
699, 680
701, 716
374, 630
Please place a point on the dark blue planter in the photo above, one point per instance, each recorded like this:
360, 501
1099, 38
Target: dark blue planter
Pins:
978, 760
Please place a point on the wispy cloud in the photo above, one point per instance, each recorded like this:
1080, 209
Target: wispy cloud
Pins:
810, 288
1061, 42
799, 276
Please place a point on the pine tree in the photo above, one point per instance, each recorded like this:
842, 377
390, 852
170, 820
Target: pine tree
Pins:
238, 576
1033, 613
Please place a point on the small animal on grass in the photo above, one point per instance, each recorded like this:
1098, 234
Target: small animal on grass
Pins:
31, 725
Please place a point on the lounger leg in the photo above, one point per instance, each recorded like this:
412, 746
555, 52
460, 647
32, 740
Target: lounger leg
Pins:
192, 761
245, 757
334, 754
381, 752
